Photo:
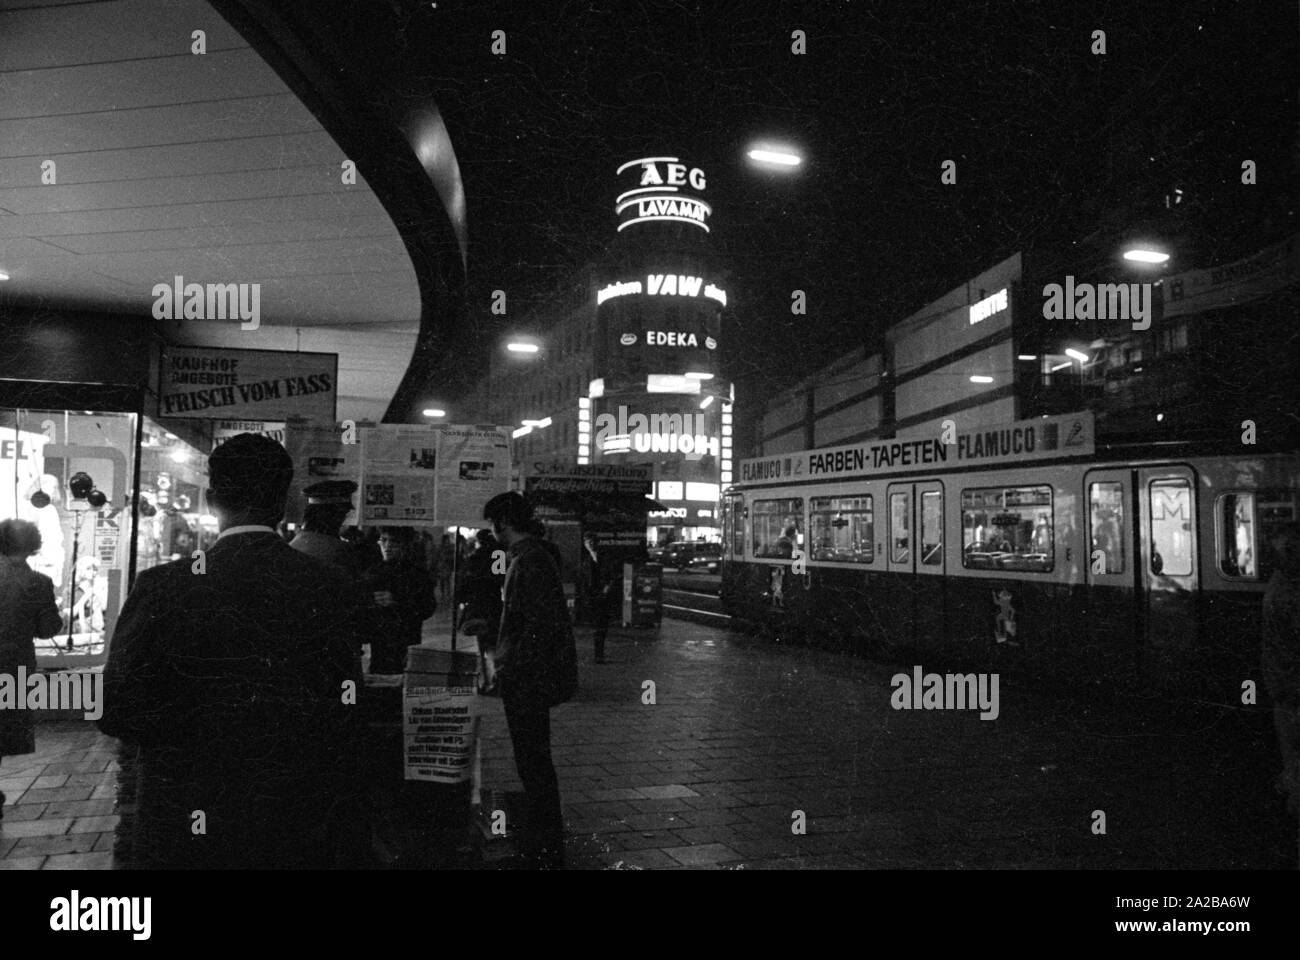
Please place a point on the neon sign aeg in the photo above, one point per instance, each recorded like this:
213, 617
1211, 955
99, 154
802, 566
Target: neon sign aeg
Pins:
657, 196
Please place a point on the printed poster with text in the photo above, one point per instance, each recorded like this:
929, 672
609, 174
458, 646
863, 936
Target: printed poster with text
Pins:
397, 475
473, 467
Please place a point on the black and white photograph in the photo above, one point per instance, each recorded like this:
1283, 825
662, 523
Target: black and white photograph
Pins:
854, 438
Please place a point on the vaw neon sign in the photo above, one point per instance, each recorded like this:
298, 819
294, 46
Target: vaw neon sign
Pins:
658, 194
662, 284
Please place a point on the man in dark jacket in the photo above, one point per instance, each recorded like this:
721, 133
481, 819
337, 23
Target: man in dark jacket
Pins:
237, 673
534, 623
403, 595
599, 592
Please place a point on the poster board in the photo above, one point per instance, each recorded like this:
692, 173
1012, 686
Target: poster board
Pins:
415, 475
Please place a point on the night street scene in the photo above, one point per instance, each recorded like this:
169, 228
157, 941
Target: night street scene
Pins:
499, 437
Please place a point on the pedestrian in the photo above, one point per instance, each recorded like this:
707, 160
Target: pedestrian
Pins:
404, 597
536, 669
599, 587
445, 568
328, 504
237, 674
1280, 658
480, 587
27, 611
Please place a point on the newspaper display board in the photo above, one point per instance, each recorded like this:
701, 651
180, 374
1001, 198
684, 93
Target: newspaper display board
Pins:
428, 475
319, 453
473, 467
439, 727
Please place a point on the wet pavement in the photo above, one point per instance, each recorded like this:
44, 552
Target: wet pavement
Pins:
753, 755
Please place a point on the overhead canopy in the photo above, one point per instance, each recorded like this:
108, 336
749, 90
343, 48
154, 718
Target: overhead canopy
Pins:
127, 159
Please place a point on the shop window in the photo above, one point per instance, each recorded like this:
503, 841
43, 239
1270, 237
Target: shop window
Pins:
1170, 503
900, 523
842, 529
85, 542
1238, 540
932, 528
777, 526
1007, 528
1106, 525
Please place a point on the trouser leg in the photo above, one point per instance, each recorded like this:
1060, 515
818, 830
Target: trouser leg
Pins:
530, 736
600, 620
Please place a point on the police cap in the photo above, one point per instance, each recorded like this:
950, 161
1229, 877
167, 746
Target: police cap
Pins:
331, 491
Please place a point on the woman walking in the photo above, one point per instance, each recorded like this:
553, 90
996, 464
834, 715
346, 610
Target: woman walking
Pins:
27, 611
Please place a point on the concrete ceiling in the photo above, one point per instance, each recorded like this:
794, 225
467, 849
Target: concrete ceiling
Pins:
205, 166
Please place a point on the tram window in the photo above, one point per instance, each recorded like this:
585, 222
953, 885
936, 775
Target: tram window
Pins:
1106, 521
1238, 540
1007, 528
842, 529
900, 520
1171, 527
778, 526
932, 528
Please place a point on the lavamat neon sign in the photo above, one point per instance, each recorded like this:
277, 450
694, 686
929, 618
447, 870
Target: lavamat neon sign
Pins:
658, 194
662, 285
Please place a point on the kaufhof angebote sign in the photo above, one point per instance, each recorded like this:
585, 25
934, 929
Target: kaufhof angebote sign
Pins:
216, 383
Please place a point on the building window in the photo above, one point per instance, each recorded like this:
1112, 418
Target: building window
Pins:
777, 526
1106, 522
842, 529
1170, 502
1007, 528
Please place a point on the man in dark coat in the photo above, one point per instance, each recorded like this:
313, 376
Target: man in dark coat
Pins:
403, 596
599, 587
237, 673
534, 622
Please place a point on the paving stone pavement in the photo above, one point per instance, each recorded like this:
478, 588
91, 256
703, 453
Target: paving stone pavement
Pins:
60, 800
744, 733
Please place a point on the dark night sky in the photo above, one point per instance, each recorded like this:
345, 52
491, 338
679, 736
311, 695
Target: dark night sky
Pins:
1050, 141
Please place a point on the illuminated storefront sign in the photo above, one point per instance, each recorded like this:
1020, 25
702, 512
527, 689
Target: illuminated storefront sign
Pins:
662, 285
658, 194
988, 306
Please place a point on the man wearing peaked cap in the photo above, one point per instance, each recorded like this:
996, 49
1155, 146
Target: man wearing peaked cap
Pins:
328, 504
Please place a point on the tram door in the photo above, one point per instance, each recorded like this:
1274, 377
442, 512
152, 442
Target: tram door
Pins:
914, 557
1110, 614
1170, 579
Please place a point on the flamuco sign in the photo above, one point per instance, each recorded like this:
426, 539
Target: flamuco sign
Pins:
659, 193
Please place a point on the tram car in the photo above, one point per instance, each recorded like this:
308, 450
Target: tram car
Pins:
1027, 547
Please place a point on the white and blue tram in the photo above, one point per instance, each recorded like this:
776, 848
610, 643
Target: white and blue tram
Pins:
1027, 546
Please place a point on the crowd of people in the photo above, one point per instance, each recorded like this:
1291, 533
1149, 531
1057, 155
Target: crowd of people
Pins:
237, 674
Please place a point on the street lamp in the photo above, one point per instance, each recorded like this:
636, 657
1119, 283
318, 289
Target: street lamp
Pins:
434, 412
519, 346
774, 157
1145, 253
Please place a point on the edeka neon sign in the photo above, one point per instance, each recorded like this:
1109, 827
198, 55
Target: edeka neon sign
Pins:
658, 194
662, 285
